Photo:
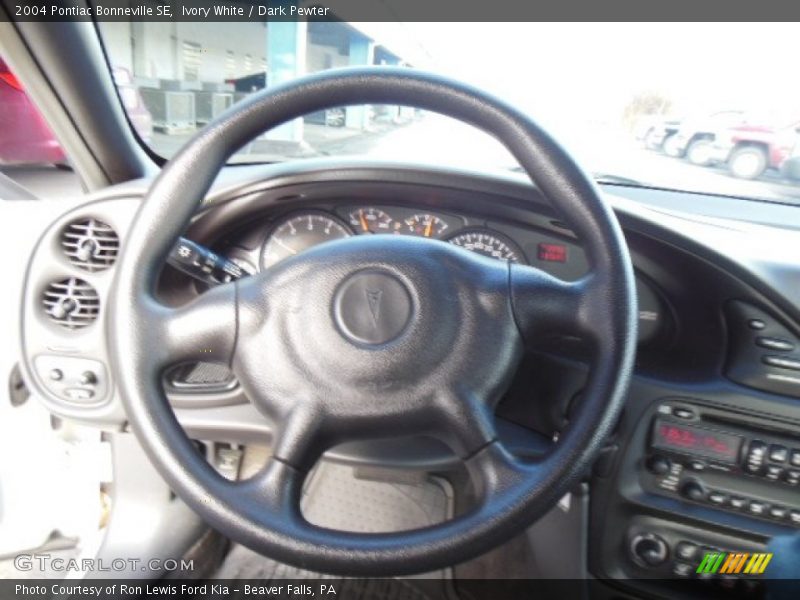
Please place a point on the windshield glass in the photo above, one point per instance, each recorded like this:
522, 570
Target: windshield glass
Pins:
697, 107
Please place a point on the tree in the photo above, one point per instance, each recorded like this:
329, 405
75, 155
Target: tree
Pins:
645, 104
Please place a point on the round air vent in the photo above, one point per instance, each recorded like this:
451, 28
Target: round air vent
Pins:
72, 303
90, 244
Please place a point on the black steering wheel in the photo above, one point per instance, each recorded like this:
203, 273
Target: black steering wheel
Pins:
372, 337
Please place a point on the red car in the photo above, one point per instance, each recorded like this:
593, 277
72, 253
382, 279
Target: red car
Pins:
26, 138
749, 150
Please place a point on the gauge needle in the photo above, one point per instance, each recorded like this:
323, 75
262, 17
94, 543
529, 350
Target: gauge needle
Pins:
428, 228
361, 218
285, 247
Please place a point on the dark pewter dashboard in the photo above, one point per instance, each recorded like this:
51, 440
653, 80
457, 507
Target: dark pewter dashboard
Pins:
706, 454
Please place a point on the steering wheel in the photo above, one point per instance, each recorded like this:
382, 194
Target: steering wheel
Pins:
372, 337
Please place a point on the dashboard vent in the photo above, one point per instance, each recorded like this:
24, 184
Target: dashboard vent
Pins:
71, 303
90, 244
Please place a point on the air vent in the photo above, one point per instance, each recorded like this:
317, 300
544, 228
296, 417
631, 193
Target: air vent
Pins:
90, 244
72, 303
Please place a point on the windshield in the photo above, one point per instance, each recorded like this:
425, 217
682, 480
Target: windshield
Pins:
694, 107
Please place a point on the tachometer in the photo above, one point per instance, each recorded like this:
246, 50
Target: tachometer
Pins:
491, 244
371, 220
425, 225
300, 232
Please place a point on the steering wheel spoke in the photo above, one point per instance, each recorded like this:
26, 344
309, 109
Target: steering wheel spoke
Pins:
545, 305
205, 329
494, 471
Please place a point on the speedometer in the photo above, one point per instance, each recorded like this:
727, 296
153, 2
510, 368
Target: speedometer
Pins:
300, 232
488, 243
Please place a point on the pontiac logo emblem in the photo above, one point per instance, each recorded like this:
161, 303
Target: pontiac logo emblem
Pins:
374, 303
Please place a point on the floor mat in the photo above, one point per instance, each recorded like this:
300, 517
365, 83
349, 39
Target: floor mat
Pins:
337, 497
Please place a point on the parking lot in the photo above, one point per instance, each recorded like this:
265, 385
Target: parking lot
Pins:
432, 139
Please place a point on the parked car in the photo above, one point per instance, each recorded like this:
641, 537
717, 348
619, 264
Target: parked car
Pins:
695, 136
749, 150
790, 168
658, 131
27, 137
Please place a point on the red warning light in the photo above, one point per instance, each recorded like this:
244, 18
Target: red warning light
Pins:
552, 252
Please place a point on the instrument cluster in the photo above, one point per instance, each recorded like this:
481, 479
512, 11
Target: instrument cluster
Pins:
562, 257
301, 230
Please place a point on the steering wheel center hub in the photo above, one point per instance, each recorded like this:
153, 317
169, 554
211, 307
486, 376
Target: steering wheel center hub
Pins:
372, 307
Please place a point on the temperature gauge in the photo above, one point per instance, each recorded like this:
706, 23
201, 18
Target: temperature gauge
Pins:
425, 225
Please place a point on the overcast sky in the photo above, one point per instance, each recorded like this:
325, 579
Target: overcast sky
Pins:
593, 69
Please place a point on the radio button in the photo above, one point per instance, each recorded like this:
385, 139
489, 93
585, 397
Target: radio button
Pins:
718, 498
794, 516
795, 458
757, 508
792, 477
778, 512
738, 503
697, 465
778, 453
683, 413
680, 569
774, 473
755, 456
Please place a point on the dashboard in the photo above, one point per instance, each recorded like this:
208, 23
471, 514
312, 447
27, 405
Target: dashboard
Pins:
707, 452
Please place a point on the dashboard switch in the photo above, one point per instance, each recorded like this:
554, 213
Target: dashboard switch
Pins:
718, 498
738, 502
778, 453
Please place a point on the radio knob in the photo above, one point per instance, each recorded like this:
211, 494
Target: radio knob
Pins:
693, 490
658, 465
649, 549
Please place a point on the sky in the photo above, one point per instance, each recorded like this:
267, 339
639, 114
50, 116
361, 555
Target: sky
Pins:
593, 69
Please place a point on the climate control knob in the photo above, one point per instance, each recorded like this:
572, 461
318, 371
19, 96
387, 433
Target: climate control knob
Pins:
649, 550
693, 490
658, 465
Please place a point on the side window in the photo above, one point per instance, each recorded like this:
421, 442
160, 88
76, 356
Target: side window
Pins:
32, 162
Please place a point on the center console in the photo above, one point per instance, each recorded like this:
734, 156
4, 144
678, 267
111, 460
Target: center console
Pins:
699, 474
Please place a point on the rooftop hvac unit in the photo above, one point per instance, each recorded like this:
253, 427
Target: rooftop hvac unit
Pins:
172, 112
211, 104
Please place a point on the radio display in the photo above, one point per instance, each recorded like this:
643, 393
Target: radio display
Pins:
695, 440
